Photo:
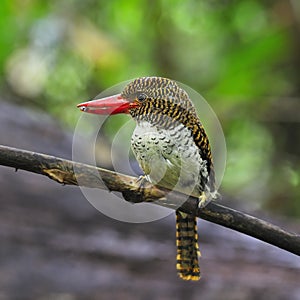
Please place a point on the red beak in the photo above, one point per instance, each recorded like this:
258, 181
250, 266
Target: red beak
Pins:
107, 106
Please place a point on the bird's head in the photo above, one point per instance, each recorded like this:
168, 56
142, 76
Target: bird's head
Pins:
141, 97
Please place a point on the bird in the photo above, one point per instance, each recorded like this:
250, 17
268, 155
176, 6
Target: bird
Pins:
171, 147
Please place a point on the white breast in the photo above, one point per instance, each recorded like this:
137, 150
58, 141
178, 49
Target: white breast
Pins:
169, 157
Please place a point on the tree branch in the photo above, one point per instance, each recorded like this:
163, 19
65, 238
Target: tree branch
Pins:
69, 172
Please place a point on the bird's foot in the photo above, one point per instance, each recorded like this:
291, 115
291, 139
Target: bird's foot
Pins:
142, 180
203, 200
139, 195
207, 197
146, 188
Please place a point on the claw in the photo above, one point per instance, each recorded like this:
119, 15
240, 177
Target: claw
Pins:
207, 197
142, 180
203, 201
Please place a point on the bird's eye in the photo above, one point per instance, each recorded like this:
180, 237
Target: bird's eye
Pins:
142, 97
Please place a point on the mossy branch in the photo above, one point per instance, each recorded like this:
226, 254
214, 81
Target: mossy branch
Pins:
69, 172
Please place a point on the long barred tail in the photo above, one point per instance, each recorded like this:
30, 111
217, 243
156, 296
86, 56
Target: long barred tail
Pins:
187, 247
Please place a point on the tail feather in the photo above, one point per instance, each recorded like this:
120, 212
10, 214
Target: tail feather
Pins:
187, 247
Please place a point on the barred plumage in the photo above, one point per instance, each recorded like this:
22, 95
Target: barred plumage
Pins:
167, 110
172, 148
187, 247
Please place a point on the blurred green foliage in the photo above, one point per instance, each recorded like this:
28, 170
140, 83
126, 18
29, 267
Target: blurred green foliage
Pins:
240, 55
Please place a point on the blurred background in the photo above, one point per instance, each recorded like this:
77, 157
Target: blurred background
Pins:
242, 56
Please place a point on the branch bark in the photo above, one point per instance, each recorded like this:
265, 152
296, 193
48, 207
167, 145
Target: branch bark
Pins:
69, 172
